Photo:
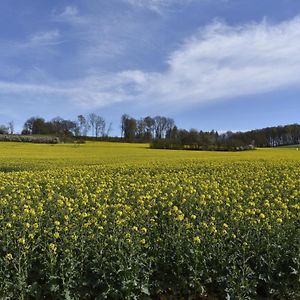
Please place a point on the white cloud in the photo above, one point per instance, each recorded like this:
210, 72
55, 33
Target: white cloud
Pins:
70, 11
101, 50
20, 88
70, 14
89, 92
110, 38
219, 62
38, 44
44, 38
155, 5
223, 61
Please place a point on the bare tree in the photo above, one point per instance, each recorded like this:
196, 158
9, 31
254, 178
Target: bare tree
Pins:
11, 127
83, 125
150, 127
124, 119
92, 121
109, 129
140, 129
160, 125
100, 126
170, 123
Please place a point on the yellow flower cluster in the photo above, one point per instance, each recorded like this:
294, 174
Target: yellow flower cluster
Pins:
158, 207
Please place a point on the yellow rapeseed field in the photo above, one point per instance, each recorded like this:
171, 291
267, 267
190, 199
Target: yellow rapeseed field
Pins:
122, 221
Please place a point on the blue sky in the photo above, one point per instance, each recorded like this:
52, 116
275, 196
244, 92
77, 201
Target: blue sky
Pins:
209, 64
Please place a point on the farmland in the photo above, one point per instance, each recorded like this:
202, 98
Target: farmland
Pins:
122, 221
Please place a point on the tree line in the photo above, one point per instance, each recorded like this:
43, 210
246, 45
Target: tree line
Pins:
201, 140
160, 131
271, 136
146, 129
91, 124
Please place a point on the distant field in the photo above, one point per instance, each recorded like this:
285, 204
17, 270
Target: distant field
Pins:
41, 156
122, 221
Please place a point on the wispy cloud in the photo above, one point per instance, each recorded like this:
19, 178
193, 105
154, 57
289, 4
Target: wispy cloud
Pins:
44, 38
70, 11
21, 88
157, 6
69, 14
113, 37
40, 43
222, 61
84, 93
219, 62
